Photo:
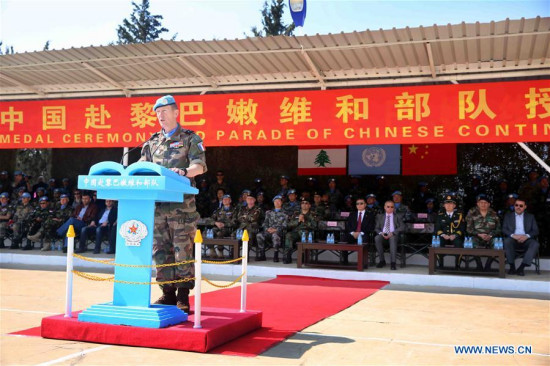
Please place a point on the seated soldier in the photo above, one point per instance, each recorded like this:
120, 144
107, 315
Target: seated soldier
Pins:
101, 225
38, 219
59, 216
320, 208
400, 208
301, 221
483, 224
6, 213
225, 220
273, 227
249, 219
21, 222
450, 226
520, 229
388, 227
292, 205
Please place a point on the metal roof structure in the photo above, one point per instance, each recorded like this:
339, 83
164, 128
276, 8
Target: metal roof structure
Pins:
435, 54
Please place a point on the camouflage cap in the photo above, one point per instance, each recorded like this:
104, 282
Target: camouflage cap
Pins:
164, 101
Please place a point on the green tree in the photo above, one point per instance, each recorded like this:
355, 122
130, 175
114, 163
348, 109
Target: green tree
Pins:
322, 158
272, 21
142, 27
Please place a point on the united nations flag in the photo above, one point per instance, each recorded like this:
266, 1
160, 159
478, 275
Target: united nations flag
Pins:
374, 159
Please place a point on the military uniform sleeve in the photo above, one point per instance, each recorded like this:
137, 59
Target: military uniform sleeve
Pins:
196, 152
146, 152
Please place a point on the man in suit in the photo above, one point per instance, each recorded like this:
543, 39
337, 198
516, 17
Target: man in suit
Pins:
360, 222
101, 226
519, 229
388, 226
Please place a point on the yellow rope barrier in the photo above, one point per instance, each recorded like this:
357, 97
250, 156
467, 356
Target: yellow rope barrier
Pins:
108, 262
223, 262
92, 277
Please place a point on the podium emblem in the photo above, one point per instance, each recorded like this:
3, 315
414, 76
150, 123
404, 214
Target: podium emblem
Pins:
133, 231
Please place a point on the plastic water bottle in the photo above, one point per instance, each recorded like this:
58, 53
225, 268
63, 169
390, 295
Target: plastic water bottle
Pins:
239, 234
360, 238
303, 236
310, 237
434, 241
331, 238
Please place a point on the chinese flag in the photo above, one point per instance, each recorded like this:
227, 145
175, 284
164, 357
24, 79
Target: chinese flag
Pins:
429, 159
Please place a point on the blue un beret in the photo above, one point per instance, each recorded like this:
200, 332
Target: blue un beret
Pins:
164, 101
4, 195
397, 192
26, 195
64, 196
277, 197
45, 198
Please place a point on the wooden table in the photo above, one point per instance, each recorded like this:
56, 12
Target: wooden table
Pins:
233, 243
304, 249
472, 252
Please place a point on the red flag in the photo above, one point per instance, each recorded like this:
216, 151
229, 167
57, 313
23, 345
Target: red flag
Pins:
429, 159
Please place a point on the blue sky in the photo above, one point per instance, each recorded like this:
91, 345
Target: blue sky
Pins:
28, 24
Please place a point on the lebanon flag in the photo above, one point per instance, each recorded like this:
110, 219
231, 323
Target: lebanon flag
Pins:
429, 159
316, 160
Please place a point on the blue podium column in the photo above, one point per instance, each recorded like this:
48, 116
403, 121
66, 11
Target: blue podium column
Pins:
136, 189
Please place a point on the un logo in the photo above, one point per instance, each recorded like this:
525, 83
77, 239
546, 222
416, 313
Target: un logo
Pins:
374, 157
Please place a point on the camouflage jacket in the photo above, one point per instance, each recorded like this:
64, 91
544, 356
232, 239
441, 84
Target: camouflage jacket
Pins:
227, 217
291, 207
449, 225
310, 222
40, 214
249, 218
322, 211
182, 149
477, 224
6, 210
62, 214
275, 219
22, 213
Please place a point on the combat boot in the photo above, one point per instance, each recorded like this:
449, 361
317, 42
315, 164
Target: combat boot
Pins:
35, 237
260, 255
2, 243
276, 256
287, 257
47, 246
28, 246
168, 297
14, 244
183, 299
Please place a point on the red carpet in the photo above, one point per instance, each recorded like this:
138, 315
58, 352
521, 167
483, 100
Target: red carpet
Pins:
289, 304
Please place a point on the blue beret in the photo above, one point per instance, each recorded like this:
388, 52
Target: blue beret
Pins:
41, 189
379, 177
397, 192
246, 191
371, 195
226, 196
291, 191
57, 190
257, 180
284, 177
513, 195
277, 197
64, 196
260, 194
18, 172
482, 197
164, 101
45, 198
4, 195
26, 195
430, 200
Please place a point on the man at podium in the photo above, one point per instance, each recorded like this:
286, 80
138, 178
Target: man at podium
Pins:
181, 151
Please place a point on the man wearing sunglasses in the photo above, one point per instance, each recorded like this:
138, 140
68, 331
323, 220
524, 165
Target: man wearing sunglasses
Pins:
519, 229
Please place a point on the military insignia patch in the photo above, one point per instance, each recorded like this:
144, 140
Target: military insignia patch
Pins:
176, 145
201, 146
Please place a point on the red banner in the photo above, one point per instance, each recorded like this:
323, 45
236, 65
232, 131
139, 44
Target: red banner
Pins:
469, 113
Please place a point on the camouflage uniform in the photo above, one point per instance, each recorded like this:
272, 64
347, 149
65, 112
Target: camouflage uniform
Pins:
37, 220
477, 224
7, 211
277, 219
322, 211
21, 223
54, 221
295, 229
175, 223
290, 208
249, 219
229, 219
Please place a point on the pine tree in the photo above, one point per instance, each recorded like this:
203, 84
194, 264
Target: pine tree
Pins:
322, 159
272, 21
142, 26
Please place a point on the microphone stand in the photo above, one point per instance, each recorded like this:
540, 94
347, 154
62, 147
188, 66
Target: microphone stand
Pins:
134, 148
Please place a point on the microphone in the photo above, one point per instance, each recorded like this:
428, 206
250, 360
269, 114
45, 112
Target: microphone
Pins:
138, 146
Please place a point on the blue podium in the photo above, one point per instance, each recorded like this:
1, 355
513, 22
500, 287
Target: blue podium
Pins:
136, 189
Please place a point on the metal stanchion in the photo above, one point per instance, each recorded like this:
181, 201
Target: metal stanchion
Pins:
69, 284
244, 265
198, 278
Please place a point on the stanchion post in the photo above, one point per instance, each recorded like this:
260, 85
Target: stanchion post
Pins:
198, 278
244, 266
69, 282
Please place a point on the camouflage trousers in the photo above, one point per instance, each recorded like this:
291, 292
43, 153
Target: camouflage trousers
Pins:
222, 233
20, 231
173, 242
291, 239
3, 229
264, 236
